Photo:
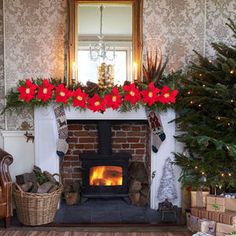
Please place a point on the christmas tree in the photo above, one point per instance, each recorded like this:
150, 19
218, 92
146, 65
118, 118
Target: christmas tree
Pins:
167, 189
207, 117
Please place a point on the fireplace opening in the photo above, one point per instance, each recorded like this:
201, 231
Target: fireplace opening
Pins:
105, 174
127, 150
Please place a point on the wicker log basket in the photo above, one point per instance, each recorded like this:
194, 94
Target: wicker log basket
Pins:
36, 208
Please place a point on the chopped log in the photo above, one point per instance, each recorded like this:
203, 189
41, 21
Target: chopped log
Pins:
76, 186
71, 198
143, 200
134, 197
138, 171
135, 186
26, 187
99, 182
68, 188
112, 174
145, 190
50, 177
26, 177
35, 187
45, 187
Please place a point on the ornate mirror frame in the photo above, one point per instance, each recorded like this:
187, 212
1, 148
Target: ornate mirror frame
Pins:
137, 34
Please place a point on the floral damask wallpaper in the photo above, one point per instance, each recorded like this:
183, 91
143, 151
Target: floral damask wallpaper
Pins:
174, 26
34, 36
34, 43
1, 67
218, 11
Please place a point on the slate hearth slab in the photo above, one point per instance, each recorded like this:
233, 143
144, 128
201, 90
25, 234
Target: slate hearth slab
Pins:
106, 217
134, 215
106, 211
73, 214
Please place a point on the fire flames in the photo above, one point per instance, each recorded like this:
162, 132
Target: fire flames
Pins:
105, 176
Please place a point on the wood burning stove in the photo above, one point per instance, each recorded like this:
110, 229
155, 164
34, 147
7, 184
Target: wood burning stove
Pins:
105, 174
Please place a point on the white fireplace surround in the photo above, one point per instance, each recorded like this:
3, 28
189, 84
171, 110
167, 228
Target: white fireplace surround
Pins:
46, 136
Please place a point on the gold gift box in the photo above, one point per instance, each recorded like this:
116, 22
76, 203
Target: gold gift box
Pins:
224, 229
198, 198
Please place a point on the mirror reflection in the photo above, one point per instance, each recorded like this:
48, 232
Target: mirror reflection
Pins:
104, 46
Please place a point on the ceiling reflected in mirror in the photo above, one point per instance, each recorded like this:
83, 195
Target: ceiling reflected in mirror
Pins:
104, 43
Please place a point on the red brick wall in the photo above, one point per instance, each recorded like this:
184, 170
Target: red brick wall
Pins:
131, 137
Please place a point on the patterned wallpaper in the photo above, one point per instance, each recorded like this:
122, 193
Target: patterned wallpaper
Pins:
34, 43
174, 26
2, 123
34, 35
218, 11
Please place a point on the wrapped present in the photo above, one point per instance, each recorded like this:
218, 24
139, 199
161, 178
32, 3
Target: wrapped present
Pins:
230, 204
186, 199
201, 234
195, 211
215, 203
198, 198
215, 216
199, 212
192, 222
206, 226
228, 217
223, 229
232, 234
188, 215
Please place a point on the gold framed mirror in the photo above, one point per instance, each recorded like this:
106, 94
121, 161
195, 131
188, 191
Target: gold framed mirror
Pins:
107, 32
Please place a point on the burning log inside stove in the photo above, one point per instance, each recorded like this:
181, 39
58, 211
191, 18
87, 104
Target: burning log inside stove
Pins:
105, 176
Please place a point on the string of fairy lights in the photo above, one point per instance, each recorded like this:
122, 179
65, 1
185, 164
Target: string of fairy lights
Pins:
222, 174
232, 71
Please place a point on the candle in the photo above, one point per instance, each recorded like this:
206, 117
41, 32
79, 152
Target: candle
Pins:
73, 71
135, 68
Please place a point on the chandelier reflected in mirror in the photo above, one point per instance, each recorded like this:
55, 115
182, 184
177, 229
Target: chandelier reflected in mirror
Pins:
101, 51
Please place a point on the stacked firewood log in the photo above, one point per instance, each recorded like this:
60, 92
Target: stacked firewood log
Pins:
138, 184
37, 181
71, 193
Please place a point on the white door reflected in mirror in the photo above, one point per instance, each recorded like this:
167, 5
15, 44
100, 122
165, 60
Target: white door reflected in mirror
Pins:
104, 36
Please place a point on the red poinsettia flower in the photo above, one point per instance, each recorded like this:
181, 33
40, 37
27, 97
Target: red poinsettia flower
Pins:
167, 96
96, 103
150, 96
114, 99
27, 91
79, 98
45, 91
62, 93
132, 93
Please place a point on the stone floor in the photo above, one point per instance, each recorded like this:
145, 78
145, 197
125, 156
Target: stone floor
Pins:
113, 211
